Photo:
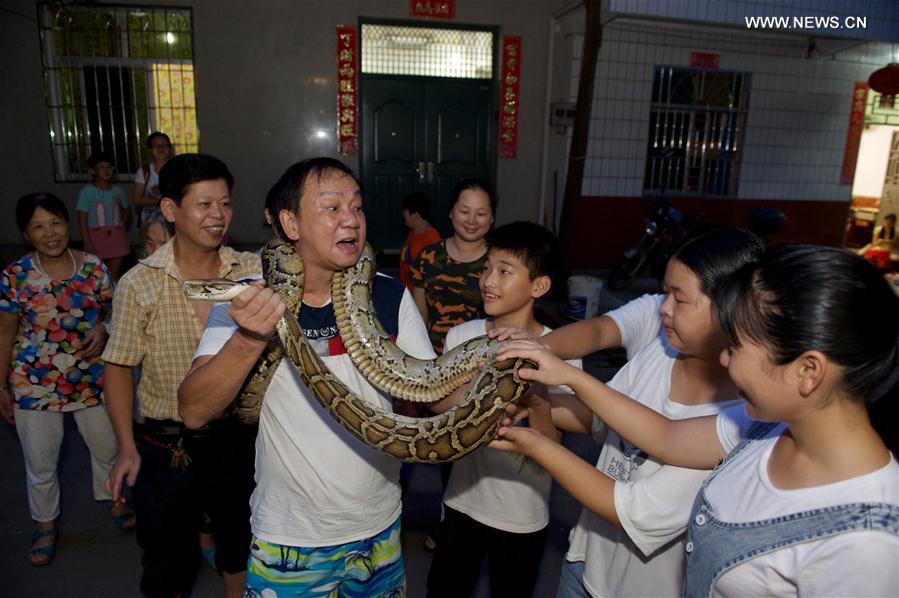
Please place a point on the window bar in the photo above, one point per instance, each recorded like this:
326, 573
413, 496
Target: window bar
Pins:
670, 159
737, 143
704, 165
112, 147
733, 89
735, 166
125, 52
654, 123
139, 135
89, 131
171, 107
73, 139
178, 108
80, 140
660, 157
715, 152
146, 72
719, 161
176, 81
727, 134
666, 147
183, 107
666, 136
691, 153
119, 144
683, 132
153, 119
77, 140
688, 150
57, 123
671, 175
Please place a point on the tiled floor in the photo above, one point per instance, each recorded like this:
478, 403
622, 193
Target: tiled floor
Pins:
94, 558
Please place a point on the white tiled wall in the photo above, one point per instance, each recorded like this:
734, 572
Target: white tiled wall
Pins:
798, 109
881, 16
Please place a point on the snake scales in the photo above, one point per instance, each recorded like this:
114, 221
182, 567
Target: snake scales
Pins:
438, 439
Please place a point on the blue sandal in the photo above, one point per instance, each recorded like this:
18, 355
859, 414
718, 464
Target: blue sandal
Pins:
209, 556
125, 520
40, 556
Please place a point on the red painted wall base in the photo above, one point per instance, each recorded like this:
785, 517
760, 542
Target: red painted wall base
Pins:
608, 225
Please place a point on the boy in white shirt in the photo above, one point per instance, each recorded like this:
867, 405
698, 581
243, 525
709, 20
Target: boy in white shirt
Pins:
497, 504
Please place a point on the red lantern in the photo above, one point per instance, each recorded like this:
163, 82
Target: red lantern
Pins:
886, 82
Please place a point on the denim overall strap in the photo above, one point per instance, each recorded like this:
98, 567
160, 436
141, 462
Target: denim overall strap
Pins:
714, 547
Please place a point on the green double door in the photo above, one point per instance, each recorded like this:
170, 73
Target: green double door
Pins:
421, 135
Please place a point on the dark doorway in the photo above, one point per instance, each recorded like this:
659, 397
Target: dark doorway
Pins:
427, 119
421, 136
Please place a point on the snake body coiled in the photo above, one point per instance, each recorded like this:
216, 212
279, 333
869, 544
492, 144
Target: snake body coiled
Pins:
438, 439
374, 353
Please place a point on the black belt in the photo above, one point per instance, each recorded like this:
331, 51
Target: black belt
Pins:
170, 427
161, 427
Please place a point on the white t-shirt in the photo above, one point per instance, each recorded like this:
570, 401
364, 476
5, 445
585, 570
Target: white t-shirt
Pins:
496, 488
151, 183
859, 563
317, 484
652, 499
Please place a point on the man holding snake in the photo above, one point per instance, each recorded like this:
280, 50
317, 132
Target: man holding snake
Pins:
178, 475
325, 512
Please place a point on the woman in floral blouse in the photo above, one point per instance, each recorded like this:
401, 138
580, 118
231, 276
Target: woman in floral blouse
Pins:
53, 302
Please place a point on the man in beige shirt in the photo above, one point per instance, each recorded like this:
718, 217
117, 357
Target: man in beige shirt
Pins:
178, 476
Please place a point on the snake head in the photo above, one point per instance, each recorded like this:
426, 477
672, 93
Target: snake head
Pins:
212, 289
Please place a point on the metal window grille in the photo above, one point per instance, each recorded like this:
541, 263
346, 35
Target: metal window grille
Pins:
696, 127
113, 75
892, 174
880, 111
427, 52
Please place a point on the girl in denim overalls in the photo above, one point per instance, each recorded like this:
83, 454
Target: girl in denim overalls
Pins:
807, 499
629, 538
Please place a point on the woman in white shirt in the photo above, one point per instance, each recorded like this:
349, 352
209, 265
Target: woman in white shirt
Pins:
807, 499
145, 193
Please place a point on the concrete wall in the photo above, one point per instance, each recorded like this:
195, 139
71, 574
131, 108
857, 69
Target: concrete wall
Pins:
798, 108
798, 115
265, 74
858, 19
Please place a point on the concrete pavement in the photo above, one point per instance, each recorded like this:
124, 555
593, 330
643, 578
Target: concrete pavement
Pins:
96, 559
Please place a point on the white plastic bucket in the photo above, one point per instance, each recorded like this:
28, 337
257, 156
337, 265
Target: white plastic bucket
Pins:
583, 296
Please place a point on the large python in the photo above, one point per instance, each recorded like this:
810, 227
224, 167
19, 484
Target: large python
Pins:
442, 438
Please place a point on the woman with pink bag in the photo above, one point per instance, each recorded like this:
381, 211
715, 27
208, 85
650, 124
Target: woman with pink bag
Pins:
103, 214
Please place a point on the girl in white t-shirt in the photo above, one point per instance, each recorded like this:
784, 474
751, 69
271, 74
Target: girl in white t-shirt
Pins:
145, 192
807, 506
629, 539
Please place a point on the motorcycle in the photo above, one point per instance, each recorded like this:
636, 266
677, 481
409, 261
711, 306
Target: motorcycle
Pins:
666, 228
661, 236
